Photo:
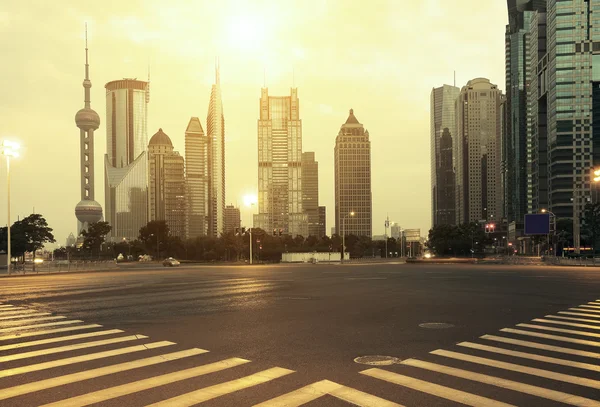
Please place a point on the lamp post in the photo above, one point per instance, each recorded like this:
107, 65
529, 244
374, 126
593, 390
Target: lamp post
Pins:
553, 230
251, 243
344, 234
9, 149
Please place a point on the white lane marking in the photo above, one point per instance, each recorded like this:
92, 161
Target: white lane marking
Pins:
94, 373
316, 390
581, 381
83, 358
550, 321
585, 310
579, 314
542, 346
590, 306
28, 321
505, 384
20, 312
554, 337
69, 348
10, 310
19, 328
38, 314
448, 393
211, 392
572, 319
59, 339
150, 383
48, 332
567, 331
5, 306
531, 356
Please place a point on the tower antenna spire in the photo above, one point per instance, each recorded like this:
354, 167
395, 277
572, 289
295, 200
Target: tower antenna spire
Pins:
264, 77
455, 79
87, 84
293, 77
217, 71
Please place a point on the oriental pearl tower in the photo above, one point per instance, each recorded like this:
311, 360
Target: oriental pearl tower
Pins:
87, 210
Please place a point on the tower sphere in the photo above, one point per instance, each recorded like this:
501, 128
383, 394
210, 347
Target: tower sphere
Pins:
87, 119
88, 211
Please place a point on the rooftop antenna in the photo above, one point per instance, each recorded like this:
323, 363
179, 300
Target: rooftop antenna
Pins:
293, 77
217, 71
264, 77
455, 79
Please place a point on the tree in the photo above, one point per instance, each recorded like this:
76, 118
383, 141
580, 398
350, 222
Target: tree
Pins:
29, 235
154, 236
95, 235
590, 224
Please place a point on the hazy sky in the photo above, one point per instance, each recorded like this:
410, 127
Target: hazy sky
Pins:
380, 57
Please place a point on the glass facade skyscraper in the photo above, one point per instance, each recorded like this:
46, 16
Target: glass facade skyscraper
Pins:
215, 131
196, 178
280, 165
126, 163
443, 131
310, 191
352, 157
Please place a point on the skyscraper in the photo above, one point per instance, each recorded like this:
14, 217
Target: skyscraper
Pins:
353, 179
443, 132
280, 165
87, 210
233, 219
310, 191
126, 162
537, 115
479, 194
518, 78
166, 184
196, 178
215, 130
322, 221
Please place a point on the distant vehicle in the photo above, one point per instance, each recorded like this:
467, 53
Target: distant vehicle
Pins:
171, 262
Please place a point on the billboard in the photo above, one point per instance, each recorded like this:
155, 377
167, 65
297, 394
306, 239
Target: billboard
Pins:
537, 224
412, 235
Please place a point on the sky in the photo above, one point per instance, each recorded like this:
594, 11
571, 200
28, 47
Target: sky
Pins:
380, 57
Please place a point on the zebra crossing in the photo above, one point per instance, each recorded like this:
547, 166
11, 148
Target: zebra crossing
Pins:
552, 359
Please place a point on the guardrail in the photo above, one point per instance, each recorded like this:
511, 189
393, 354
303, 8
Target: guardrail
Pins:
578, 261
63, 266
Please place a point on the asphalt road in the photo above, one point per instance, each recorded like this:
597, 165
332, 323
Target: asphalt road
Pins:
287, 335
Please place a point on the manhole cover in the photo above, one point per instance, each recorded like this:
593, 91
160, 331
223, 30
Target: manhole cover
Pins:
436, 325
377, 360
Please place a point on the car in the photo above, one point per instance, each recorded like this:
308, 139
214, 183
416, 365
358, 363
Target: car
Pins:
171, 262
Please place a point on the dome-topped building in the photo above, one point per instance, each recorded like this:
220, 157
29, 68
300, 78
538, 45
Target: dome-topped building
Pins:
160, 139
87, 120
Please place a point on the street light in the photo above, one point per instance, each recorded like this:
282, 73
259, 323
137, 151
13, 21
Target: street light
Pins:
8, 149
544, 210
344, 234
250, 201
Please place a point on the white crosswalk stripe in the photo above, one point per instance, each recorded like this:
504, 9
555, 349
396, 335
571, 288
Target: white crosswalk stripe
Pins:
538, 350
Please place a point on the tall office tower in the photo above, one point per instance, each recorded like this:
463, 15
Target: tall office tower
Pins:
443, 131
310, 191
395, 231
537, 115
353, 179
280, 165
479, 194
322, 221
215, 130
517, 145
233, 219
126, 161
166, 184
196, 178
570, 75
87, 210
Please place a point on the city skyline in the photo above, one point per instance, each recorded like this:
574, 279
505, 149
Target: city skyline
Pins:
396, 110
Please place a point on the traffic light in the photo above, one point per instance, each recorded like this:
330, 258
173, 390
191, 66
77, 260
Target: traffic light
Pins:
274, 232
280, 232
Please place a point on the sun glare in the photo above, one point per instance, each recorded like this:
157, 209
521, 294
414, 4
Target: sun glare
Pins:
246, 33
250, 200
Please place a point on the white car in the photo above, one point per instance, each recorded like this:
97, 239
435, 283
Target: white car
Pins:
171, 262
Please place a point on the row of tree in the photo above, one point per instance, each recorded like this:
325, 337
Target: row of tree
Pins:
470, 238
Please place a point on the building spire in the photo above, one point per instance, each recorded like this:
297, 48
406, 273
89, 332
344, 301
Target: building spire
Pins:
217, 72
87, 84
